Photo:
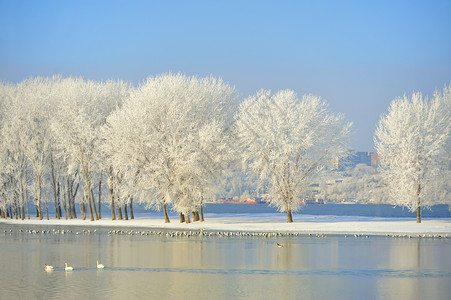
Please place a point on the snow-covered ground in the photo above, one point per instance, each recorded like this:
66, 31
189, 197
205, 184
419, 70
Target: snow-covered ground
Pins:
270, 223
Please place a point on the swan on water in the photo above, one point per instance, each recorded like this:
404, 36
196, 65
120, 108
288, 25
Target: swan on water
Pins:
100, 266
48, 268
68, 268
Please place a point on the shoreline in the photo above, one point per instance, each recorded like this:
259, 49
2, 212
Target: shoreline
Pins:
266, 223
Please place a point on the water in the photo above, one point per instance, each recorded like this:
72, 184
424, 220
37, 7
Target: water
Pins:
367, 210
333, 209
159, 267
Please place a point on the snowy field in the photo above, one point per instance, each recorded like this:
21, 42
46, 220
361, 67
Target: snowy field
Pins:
271, 223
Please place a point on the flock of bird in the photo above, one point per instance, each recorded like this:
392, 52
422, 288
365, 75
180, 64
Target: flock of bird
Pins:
49, 268
204, 233
434, 236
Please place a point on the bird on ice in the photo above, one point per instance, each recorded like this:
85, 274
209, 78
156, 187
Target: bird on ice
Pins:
279, 245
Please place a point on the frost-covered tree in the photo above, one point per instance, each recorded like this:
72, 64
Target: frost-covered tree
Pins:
82, 109
13, 144
50, 137
412, 141
286, 142
6, 94
443, 187
206, 164
33, 108
170, 134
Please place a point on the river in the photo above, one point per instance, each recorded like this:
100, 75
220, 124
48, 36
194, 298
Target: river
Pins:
155, 266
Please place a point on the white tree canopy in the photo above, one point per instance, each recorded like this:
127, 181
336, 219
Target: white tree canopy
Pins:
286, 142
170, 133
14, 139
82, 109
412, 141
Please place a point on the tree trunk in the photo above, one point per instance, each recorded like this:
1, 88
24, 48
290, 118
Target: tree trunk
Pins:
93, 203
419, 204
125, 212
59, 208
100, 197
88, 197
195, 216
58, 197
201, 212
182, 218
57, 215
26, 198
119, 212
82, 210
22, 198
132, 216
289, 216
111, 188
83, 207
187, 220
165, 211
23, 212
419, 214
113, 211
74, 211
72, 198
16, 212
63, 198
69, 193
46, 208
39, 198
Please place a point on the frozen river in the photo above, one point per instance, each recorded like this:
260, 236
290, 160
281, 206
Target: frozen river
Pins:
160, 267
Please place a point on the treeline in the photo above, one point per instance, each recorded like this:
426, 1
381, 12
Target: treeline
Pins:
50, 145
173, 142
79, 142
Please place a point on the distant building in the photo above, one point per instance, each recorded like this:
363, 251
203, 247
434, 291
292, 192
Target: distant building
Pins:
361, 158
355, 158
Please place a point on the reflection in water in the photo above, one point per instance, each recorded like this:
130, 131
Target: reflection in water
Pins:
222, 268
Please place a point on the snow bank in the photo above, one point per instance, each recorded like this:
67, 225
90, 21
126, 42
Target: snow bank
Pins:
269, 223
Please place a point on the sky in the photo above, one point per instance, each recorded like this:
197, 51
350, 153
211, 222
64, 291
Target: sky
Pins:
357, 55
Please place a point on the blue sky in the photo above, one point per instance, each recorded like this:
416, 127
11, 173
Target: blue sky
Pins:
357, 55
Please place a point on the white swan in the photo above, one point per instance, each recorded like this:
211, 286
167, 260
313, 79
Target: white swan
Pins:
100, 266
48, 268
68, 268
